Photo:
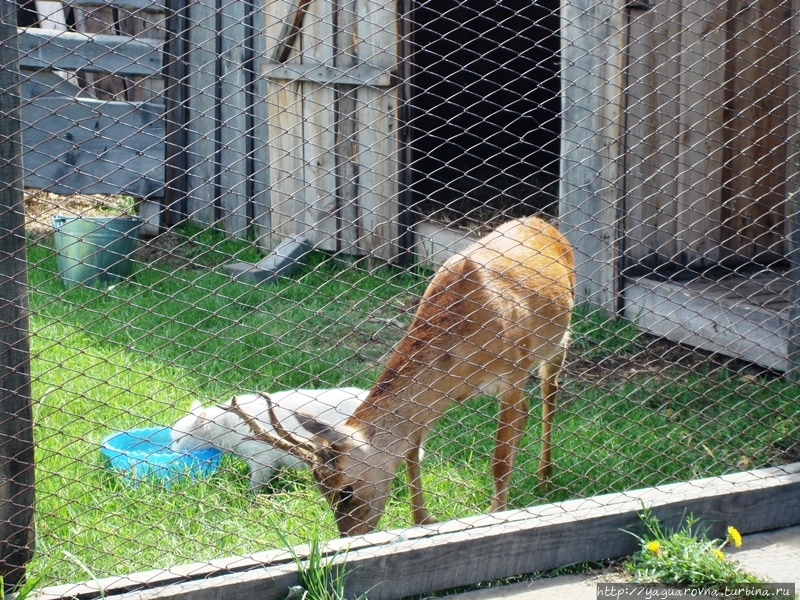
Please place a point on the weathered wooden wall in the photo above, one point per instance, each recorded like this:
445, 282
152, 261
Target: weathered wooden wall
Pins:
292, 122
705, 132
76, 140
333, 123
676, 118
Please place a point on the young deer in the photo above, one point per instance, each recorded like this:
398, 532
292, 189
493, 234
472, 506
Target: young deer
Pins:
490, 315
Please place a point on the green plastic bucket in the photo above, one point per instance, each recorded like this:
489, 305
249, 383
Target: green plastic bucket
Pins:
94, 249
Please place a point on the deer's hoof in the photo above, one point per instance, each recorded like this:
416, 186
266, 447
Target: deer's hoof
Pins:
424, 518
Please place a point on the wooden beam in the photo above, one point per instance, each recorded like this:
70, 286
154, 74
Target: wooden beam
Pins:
291, 28
133, 5
592, 95
16, 413
357, 75
793, 208
732, 327
419, 560
69, 51
93, 146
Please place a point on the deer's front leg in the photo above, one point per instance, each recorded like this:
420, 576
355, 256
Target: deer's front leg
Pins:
419, 513
510, 428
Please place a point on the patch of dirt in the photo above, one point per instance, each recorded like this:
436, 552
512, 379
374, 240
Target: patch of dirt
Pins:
483, 198
164, 249
41, 207
657, 356
167, 249
788, 451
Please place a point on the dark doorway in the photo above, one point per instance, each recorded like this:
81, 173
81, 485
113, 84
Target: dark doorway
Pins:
483, 119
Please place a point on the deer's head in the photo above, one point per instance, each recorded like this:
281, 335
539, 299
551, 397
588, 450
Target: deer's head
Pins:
354, 476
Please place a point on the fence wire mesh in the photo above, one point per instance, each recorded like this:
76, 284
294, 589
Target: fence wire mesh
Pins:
301, 170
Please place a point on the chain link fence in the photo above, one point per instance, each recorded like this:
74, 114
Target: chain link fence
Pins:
299, 172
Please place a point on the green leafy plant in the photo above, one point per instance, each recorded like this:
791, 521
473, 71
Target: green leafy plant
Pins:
122, 205
24, 590
321, 578
685, 556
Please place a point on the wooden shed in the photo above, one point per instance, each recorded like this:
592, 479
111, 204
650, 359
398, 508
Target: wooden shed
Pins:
678, 168
337, 120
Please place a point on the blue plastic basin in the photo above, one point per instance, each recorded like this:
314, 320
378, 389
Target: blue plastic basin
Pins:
145, 454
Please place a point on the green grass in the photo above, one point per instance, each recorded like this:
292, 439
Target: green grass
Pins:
136, 354
596, 336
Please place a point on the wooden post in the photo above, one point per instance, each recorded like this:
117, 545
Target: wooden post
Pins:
793, 212
233, 112
202, 143
175, 112
793, 349
16, 418
592, 75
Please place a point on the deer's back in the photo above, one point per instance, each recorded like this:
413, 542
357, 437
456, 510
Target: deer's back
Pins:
506, 299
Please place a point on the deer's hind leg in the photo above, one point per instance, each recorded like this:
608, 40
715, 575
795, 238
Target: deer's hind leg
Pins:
510, 429
548, 372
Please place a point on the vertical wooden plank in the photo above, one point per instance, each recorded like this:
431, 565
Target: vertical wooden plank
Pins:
592, 59
793, 200
286, 158
346, 99
320, 129
641, 195
51, 15
701, 118
793, 328
16, 414
150, 23
651, 135
260, 156
378, 152
758, 54
668, 131
175, 205
100, 19
201, 125
285, 132
233, 118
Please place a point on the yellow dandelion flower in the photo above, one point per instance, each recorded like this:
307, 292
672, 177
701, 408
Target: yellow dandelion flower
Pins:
719, 553
654, 546
734, 537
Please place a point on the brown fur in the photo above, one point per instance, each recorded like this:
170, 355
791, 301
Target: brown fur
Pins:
490, 315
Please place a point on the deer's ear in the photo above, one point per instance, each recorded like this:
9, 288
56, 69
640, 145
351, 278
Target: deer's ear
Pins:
334, 436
